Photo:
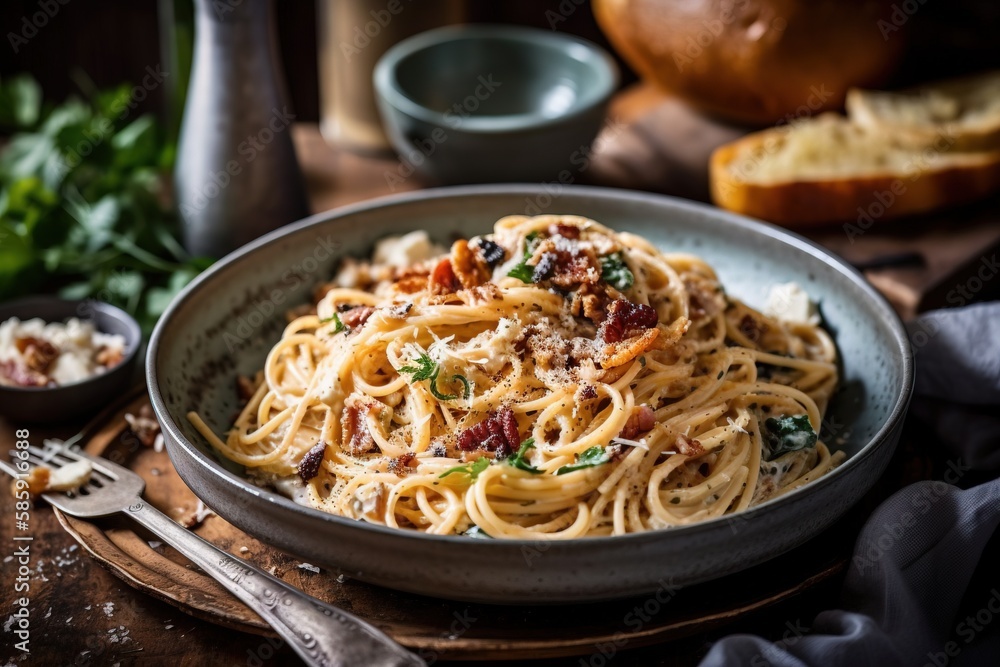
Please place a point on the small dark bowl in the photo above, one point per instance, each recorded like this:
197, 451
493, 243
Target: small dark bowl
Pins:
484, 103
66, 402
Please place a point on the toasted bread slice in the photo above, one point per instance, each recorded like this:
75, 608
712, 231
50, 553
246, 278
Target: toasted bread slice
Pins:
828, 169
966, 110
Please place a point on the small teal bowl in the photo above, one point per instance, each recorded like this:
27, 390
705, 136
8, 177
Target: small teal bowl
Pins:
485, 103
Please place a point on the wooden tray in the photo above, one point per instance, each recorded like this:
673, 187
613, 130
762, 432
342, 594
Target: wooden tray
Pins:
438, 628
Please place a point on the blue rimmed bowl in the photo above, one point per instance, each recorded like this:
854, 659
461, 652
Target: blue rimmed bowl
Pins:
486, 103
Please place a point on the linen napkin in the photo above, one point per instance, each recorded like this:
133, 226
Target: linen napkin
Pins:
910, 596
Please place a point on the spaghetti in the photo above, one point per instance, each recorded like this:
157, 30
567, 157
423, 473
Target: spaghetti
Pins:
551, 380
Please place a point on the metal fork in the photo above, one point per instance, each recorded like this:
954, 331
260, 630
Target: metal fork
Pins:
319, 633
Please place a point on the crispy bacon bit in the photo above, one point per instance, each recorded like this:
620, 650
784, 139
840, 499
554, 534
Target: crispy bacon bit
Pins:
641, 420
108, 357
443, 279
21, 376
399, 311
310, 463
357, 316
490, 252
38, 354
403, 465
564, 230
144, 425
497, 433
588, 392
625, 320
412, 284
545, 266
467, 266
589, 301
751, 328
354, 425
689, 446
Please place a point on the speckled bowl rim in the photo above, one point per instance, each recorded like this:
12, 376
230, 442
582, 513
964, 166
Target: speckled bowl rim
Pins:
881, 437
133, 341
599, 61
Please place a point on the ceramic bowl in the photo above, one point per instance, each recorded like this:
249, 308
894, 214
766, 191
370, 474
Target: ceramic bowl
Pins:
226, 321
66, 402
475, 104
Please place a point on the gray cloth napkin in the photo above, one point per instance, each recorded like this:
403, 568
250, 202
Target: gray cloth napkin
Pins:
906, 598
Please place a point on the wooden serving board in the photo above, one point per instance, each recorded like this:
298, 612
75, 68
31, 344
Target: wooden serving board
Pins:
439, 628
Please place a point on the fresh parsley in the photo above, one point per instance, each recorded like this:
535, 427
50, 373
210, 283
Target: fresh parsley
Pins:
522, 271
84, 209
615, 273
519, 461
471, 469
789, 434
594, 456
428, 369
338, 326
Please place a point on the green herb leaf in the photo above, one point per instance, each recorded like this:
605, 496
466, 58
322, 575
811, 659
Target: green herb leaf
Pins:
594, 456
471, 469
615, 272
465, 383
338, 326
789, 434
522, 271
519, 461
424, 370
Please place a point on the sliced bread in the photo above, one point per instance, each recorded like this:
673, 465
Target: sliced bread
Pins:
966, 110
828, 169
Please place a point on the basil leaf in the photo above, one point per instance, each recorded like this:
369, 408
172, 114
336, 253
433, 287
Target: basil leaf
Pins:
590, 458
519, 461
471, 469
789, 434
338, 326
615, 273
522, 271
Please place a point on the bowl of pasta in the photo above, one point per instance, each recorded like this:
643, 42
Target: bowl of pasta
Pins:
501, 394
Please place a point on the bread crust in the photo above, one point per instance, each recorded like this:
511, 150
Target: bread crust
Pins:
956, 178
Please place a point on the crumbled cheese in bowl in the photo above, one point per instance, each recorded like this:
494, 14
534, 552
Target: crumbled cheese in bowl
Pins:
35, 353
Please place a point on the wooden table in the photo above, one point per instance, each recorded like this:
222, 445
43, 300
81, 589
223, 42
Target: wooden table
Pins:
83, 615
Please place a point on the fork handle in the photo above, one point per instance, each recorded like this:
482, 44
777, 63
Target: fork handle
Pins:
319, 633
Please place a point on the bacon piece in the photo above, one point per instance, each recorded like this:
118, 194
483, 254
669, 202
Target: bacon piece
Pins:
564, 263
641, 420
564, 230
545, 266
466, 265
443, 279
357, 316
310, 463
403, 465
626, 319
497, 433
689, 446
412, 284
354, 425
22, 376
108, 357
38, 354
589, 302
